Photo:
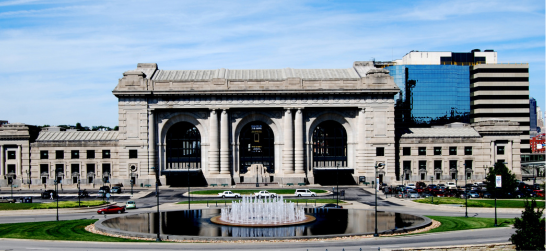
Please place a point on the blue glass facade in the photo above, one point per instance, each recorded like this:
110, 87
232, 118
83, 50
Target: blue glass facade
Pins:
432, 94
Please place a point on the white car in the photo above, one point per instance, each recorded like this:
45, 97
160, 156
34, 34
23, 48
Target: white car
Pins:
304, 192
229, 194
451, 185
411, 186
264, 193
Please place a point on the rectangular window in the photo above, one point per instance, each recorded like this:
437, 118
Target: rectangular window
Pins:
452, 164
105, 154
437, 164
379, 151
133, 154
467, 150
59, 154
75, 154
74, 168
422, 151
406, 151
452, 150
11, 154
468, 164
90, 154
407, 165
437, 150
422, 164
44, 169
500, 150
44, 155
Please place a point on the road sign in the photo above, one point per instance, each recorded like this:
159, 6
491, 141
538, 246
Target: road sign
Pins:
498, 181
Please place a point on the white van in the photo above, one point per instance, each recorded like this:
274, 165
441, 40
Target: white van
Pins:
304, 192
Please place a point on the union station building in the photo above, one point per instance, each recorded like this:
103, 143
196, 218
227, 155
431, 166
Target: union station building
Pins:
242, 127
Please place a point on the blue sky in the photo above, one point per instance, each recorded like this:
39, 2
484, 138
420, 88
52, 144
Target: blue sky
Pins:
60, 60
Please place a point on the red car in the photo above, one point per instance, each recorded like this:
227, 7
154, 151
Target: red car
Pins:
111, 210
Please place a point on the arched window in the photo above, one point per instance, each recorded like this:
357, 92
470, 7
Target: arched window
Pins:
329, 145
257, 146
183, 147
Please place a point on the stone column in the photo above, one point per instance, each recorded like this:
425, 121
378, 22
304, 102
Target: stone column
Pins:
214, 153
288, 148
19, 169
298, 142
2, 160
224, 143
151, 139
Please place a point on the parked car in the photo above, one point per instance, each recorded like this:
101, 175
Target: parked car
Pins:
7, 200
330, 206
473, 194
411, 186
130, 204
229, 194
265, 194
83, 193
111, 209
47, 194
451, 185
412, 194
116, 189
304, 192
104, 189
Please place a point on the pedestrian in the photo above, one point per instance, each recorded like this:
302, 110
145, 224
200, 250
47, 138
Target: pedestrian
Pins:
51, 196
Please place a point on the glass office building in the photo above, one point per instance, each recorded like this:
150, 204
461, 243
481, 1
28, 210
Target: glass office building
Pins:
431, 94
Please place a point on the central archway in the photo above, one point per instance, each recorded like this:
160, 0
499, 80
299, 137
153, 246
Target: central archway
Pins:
256, 146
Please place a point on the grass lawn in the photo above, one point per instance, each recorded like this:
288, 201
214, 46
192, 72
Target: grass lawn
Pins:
480, 202
49, 205
300, 201
72, 230
463, 223
252, 191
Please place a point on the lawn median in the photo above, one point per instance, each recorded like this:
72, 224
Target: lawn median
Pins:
478, 202
50, 205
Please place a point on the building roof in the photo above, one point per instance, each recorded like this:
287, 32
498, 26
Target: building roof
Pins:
441, 132
78, 136
259, 74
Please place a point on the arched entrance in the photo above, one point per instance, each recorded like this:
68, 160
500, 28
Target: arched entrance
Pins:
256, 146
330, 154
183, 155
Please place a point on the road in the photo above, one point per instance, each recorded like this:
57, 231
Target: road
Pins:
360, 198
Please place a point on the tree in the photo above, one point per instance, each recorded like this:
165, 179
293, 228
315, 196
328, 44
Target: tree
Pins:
509, 182
530, 228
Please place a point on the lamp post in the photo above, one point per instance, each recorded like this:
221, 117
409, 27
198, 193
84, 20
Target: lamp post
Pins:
189, 200
376, 187
156, 169
465, 193
337, 185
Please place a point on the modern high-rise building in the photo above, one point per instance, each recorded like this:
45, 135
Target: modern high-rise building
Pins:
501, 91
434, 86
533, 116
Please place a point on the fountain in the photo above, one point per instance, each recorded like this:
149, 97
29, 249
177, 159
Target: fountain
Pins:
252, 211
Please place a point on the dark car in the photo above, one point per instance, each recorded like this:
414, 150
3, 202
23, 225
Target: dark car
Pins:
83, 193
104, 189
330, 206
47, 194
111, 209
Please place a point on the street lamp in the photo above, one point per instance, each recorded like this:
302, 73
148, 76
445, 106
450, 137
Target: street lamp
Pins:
156, 169
337, 185
380, 165
189, 200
